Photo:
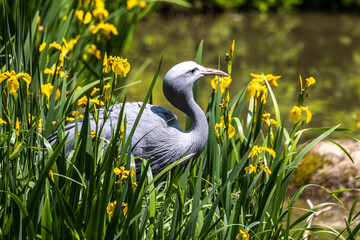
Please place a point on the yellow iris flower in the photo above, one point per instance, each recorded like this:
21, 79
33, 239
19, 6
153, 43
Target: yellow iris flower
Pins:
100, 12
79, 14
110, 208
55, 45
12, 82
132, 3
105, 28
12, 85
95, 90
97, 102
40, 125
2, 121
223, 82
258, 149
65, 48
257, 87
250, 169
296, 113
82, 101
266, 118
310, 81
243, 235
93, 134
84, 19
30, 119
271, 79
74, 113
231, 130
267, 170
121, 171
117, 171
132, 174
72, 42
106, 91
117, 64
59, 71
125, 209
94, 51
47, 89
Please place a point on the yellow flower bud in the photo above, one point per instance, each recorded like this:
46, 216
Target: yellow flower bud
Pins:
17, 127
40, 126
51, 175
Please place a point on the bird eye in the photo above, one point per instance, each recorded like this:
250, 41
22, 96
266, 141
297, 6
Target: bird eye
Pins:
193, 70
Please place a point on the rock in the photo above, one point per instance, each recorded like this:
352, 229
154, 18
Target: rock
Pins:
327, 165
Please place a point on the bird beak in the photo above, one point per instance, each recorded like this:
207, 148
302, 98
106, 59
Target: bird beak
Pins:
210, 71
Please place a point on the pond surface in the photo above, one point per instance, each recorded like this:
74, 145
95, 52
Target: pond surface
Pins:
326, 47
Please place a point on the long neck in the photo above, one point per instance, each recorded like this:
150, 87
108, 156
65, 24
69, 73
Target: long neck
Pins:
184, 101
198, 119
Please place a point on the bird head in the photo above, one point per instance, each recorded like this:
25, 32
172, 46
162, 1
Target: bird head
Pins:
181, 77
179, 81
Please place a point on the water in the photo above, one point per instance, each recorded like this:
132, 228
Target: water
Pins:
319, 45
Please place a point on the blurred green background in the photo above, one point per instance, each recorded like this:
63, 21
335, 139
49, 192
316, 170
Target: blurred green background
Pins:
323, 45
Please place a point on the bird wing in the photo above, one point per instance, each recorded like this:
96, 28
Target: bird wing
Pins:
155, 127
154, 137
158, 137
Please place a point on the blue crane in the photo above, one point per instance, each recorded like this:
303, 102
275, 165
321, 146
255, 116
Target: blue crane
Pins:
158, 135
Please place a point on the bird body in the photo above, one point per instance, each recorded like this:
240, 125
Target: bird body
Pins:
158, 135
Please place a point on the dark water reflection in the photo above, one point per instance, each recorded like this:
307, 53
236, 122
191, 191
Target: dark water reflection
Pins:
326, 47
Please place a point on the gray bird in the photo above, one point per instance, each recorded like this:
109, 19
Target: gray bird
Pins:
158, 135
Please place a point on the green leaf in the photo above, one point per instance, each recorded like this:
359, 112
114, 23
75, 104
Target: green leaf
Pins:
343, 149
310, 145
308, 213
46, 221
28, 222
35, 195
